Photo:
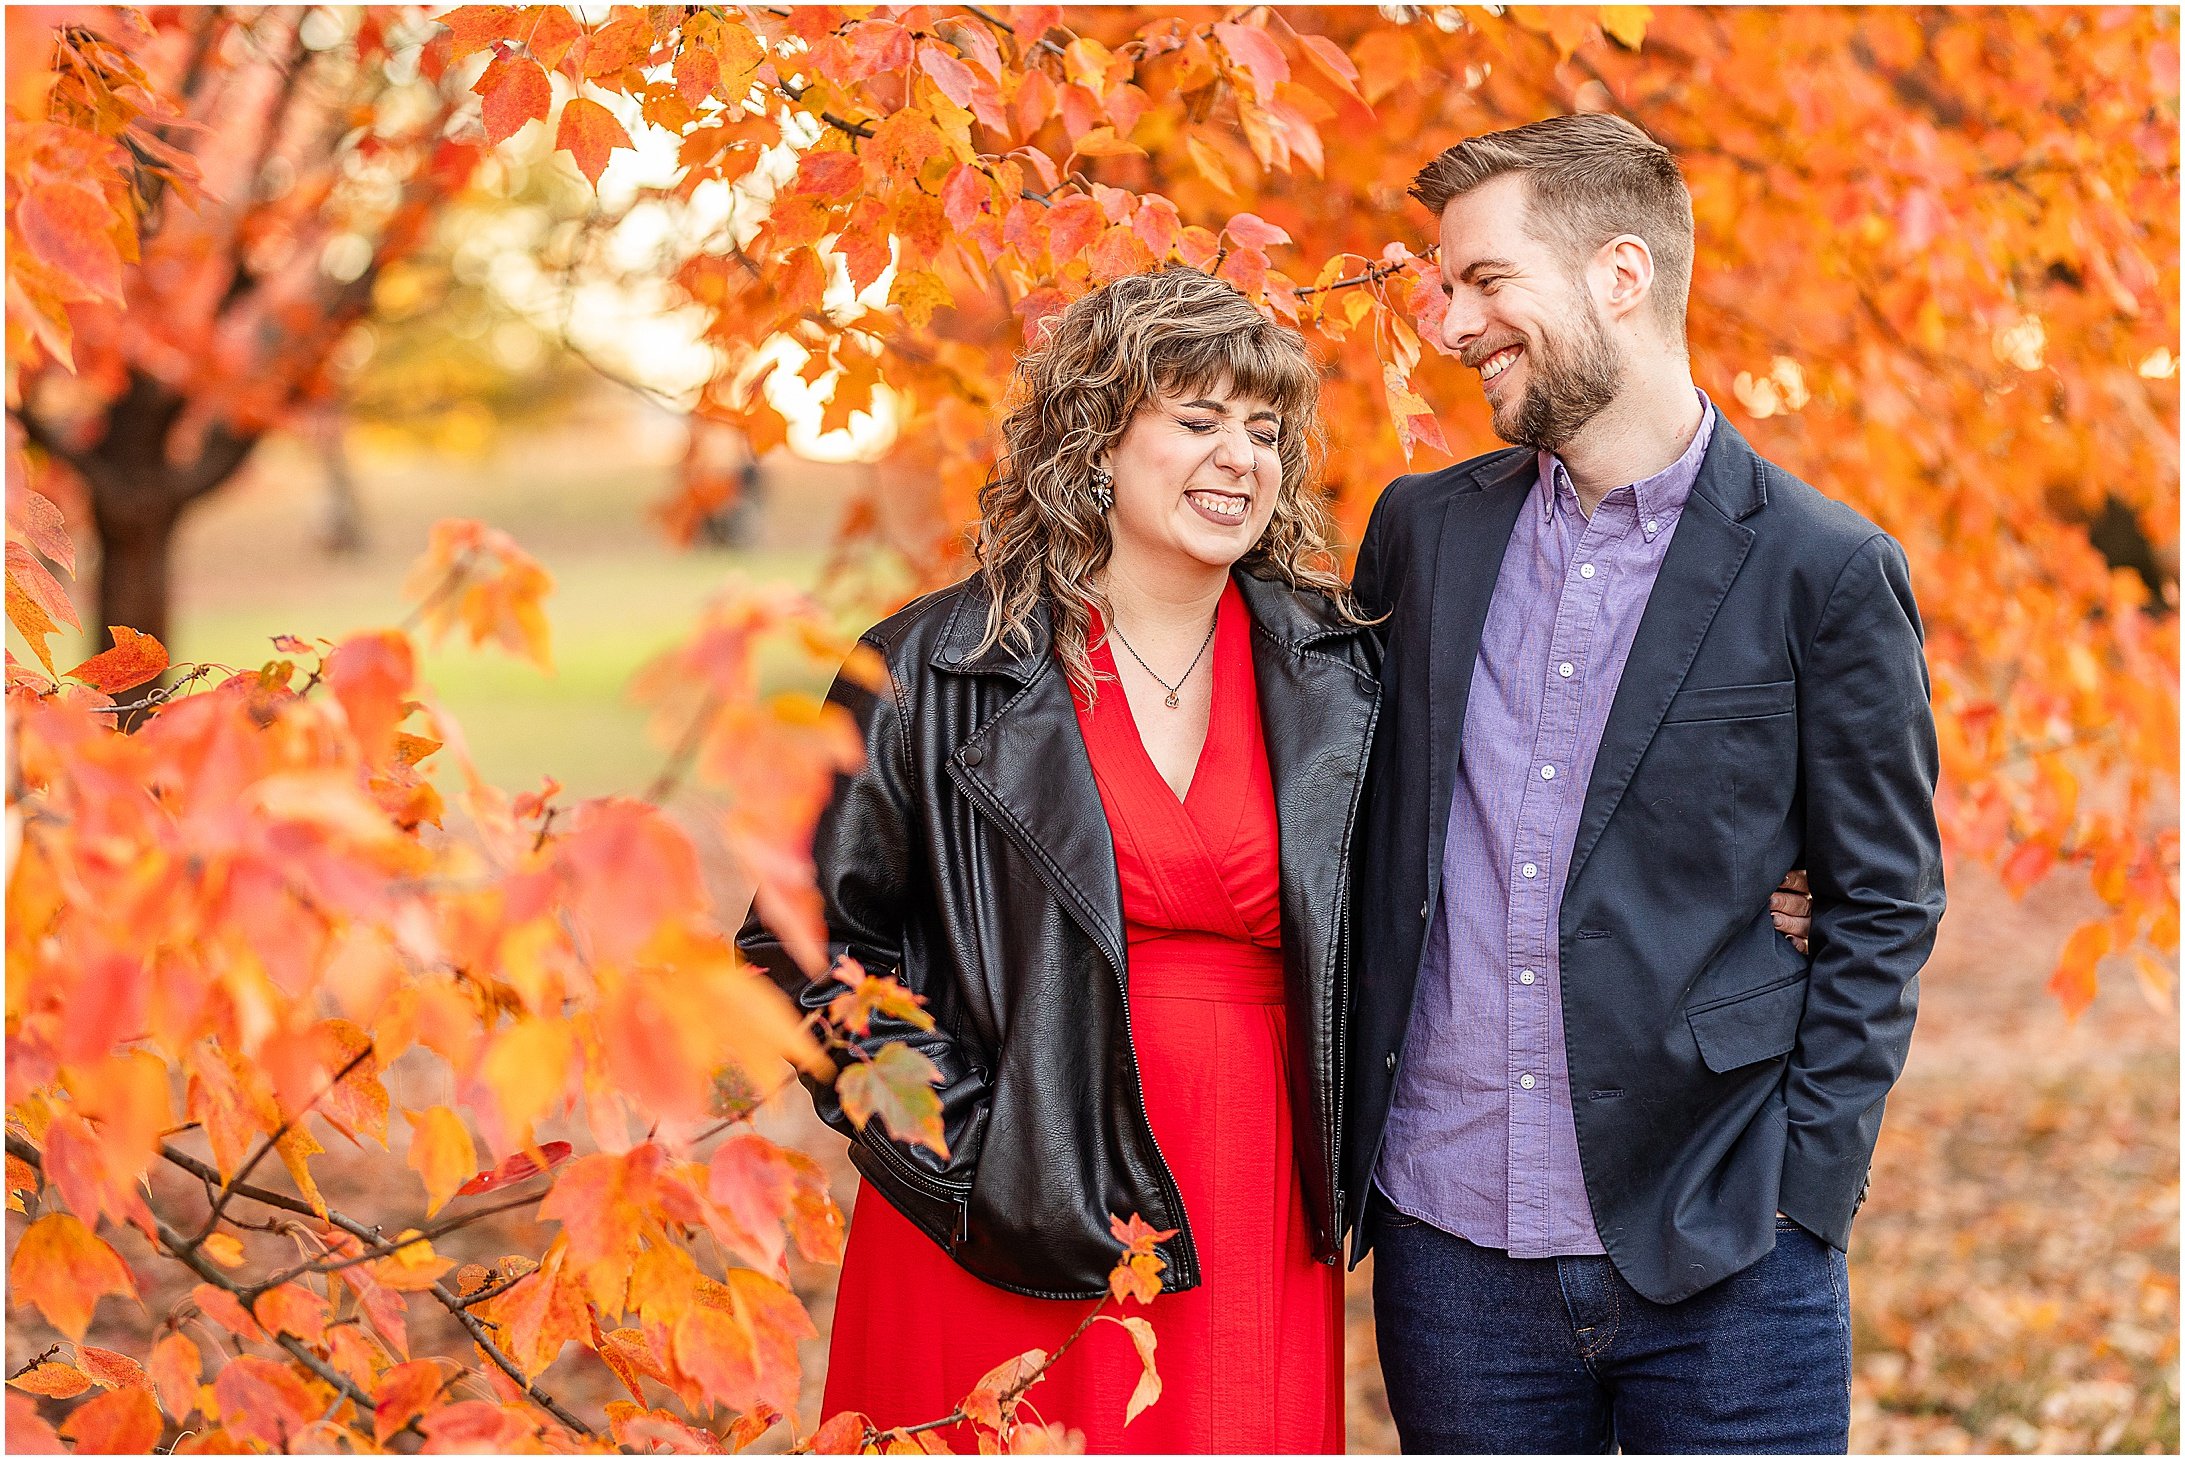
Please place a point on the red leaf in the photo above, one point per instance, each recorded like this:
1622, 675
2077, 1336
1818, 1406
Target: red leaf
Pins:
516, 91
134, 659
589, 132
519, 1167
66, 225
402, 1394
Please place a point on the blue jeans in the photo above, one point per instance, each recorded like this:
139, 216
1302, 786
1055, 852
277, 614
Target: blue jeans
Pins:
1486, 1353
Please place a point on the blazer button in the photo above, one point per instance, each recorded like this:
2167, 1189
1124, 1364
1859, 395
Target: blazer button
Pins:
1392, 1061
973, 755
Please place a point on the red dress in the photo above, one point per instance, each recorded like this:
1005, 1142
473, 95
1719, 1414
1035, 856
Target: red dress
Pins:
1251, 1359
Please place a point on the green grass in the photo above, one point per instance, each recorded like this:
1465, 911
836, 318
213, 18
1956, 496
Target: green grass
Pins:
609, 616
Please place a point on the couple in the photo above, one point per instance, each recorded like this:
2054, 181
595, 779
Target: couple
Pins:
1440, 913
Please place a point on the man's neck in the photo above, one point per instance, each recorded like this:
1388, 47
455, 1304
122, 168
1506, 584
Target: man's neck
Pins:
1641, 433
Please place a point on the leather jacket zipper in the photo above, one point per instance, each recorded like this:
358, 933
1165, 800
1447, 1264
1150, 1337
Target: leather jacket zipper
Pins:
1187, 1253
921, 1181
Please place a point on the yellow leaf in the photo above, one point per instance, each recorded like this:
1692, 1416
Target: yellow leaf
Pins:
441, 1152
1626, 24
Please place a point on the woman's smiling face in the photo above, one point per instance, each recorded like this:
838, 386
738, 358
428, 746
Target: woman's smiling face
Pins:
1196, 474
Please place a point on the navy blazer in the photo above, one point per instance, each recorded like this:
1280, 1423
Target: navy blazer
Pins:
1773, 714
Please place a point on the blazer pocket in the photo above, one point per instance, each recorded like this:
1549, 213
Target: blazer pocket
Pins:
1747, 1028
1734, 702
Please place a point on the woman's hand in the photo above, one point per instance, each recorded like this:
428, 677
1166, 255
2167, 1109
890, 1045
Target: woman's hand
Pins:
1791, 905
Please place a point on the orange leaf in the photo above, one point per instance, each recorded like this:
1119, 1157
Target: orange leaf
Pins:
264, 1401
292, 1308
177, 1368
222, 1307
589, 132
125, 1422
516, 91
993, 1400
112, 1370
403, 1393
829, 174
372, 676
1148, 1389
52, 1379
69, 226
441, 1152
63, 1268
134, 659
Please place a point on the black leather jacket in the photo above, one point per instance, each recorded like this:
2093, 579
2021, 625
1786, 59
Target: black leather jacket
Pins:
970, 856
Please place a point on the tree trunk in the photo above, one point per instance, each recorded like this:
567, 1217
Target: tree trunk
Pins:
133, 578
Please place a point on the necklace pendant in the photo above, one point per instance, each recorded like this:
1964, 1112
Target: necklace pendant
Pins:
1172, 699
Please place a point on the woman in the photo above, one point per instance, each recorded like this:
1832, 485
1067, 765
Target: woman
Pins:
1102, 828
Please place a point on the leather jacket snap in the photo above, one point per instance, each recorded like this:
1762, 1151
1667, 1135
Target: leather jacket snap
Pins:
970, 857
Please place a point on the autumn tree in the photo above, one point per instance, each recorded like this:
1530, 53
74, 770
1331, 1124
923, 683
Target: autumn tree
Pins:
1937, 276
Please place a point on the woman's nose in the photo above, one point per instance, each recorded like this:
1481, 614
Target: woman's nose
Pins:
1233, 451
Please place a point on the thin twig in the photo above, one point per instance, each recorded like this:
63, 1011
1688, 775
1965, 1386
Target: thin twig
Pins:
212, 1218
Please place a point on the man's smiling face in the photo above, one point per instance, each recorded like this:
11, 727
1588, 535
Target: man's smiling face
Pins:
1521, 314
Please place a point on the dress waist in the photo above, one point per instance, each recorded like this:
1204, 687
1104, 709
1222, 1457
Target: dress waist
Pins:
1205, 966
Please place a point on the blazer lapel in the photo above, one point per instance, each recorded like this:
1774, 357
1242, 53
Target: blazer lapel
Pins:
1475, 534
1703, 560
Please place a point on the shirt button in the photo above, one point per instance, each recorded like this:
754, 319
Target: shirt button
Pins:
1529, 870
1525, 1082
1566, 669
1525, 975
1547, 773
1652, 527
1585, 570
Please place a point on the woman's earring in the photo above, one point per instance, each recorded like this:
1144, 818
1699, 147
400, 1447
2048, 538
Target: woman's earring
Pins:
1103, 489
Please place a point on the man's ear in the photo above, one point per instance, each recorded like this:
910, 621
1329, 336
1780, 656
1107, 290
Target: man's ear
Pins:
1628, 272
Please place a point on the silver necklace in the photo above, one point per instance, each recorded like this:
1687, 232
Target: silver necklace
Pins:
1177, 687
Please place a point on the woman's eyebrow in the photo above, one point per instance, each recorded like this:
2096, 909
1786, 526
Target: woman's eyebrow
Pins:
1222, 408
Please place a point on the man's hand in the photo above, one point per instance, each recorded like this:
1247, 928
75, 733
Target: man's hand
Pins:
1792, 907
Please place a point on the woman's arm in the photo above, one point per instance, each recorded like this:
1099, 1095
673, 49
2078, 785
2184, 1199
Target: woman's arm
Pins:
869, 872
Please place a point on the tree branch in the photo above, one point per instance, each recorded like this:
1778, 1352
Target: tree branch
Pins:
227, 1189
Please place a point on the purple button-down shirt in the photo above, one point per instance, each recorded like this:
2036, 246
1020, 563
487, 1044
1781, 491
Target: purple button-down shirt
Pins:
1481, 1140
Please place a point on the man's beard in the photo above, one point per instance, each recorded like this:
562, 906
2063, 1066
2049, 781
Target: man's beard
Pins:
1570, 384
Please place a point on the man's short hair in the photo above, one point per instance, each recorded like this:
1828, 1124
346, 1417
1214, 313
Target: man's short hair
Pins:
1591, 176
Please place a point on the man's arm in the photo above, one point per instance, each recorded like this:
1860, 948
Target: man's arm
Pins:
1369, 584
1867, 745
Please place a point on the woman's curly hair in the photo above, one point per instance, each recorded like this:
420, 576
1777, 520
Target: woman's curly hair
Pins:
1176, 331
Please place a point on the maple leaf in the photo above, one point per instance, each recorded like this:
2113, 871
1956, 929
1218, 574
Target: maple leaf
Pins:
589, 132
125, 1422
441, 1153
993, 1401
896, 1084
63, 1268
111, 1370
516, 91
521, 1166
403, 1393
52, 1379
1148, 1388
264, 1401
176, 1370
134, 659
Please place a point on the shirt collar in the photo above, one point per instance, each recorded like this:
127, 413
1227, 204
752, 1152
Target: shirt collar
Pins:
1660, 497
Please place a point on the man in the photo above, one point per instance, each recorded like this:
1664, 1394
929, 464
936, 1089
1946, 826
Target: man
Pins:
1607, 1130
